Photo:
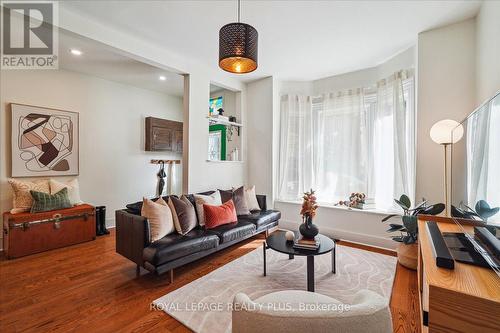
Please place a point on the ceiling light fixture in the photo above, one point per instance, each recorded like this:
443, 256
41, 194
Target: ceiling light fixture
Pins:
162, 78
238, 47
75, 52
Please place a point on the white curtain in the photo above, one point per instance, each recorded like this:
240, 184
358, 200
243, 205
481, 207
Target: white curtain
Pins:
340, 145
393, 141
361, 140
296, 151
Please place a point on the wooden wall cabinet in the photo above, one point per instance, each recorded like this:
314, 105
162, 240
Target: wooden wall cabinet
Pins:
163, 135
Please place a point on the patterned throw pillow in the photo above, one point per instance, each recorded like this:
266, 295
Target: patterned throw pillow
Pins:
43, 202
22, 199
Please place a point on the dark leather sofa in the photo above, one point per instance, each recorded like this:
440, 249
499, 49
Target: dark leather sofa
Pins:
175, 250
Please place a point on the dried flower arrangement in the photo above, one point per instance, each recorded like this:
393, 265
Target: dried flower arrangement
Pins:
356, 200
309, 204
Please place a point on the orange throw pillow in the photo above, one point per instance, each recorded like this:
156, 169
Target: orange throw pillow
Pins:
219, 215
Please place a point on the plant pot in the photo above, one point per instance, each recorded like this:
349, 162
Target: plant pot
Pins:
308, 229
408, 255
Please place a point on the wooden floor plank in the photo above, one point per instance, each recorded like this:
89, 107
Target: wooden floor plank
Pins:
90, 288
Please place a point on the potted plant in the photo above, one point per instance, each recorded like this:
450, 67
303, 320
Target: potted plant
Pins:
407, 250
307, 229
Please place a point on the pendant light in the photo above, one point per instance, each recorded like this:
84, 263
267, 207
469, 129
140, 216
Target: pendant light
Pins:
238, 47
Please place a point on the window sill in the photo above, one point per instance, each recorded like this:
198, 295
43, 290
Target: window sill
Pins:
347, 209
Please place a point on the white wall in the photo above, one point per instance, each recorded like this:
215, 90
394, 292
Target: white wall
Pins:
114, 168
198, 174
488, 50
446, 90
260, 121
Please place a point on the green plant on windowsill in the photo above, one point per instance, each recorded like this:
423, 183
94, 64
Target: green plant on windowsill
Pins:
409, 229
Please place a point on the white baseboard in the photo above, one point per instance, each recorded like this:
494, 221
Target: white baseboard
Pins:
353, 237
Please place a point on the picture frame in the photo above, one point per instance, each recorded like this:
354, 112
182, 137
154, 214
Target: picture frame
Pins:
44, 142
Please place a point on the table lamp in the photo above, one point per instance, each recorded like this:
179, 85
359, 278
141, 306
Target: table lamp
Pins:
446, 132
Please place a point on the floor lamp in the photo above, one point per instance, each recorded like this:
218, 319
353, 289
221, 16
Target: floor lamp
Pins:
446, 132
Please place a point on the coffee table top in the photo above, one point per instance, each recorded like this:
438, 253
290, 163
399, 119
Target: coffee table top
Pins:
277, 242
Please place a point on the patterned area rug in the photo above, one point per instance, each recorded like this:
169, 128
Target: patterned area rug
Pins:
204, 305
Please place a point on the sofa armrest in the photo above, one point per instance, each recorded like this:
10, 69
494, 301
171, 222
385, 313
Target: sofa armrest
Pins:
261, 199
132, 235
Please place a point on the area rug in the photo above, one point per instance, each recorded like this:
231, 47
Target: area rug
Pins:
204, 305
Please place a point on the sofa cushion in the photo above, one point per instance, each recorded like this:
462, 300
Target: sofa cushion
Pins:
261, 218
136, 207
175, 246
218, 215
233, 231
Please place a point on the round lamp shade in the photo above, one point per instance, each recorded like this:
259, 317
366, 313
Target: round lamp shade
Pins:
446, 131
238, 48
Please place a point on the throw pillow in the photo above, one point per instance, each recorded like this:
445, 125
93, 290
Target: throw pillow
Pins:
22, 199
251, 198
73, 190
200, 200
239, 199
43, 202
159, 216
219, 215
184, 216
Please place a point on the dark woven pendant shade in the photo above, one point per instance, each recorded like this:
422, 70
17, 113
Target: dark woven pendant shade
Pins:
238, 48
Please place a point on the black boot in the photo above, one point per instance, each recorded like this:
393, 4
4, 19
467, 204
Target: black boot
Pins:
98, 229
102, 221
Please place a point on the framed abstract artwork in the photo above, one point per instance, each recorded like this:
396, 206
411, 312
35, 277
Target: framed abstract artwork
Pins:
44, 142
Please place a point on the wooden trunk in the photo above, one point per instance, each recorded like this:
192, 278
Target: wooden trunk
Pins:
27, 233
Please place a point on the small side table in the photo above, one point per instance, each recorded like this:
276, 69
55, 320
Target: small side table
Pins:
277, 242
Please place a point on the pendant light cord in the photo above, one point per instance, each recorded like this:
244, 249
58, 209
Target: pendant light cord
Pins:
238, 11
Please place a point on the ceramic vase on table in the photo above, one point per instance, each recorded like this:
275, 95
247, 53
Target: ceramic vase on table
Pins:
307, 229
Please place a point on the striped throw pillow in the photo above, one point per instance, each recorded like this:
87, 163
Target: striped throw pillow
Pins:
43, 202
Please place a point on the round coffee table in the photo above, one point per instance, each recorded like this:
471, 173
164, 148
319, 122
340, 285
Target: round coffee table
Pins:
277, 242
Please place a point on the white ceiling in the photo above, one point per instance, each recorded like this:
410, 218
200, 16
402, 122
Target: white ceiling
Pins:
101, 61
298, 40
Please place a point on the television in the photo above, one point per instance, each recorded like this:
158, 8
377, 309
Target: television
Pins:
475, 185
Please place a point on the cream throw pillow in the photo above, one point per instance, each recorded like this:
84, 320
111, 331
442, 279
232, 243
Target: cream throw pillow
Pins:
212, 199
73, 190
251, 199
159, 216
175, 218
22, 199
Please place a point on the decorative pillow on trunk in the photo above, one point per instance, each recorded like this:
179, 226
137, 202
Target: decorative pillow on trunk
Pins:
251, 198
183, 213
73, 190
219, 215
159, 216
239, 199
200, 200
22, 200
43, 202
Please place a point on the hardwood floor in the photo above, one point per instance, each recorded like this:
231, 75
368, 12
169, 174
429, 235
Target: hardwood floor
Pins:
90, 288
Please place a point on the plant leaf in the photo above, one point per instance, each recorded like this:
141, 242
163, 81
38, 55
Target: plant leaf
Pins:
405, 200
420, 205
402, 205
433, 209
410, 223
389, 217
397, 238
394, 227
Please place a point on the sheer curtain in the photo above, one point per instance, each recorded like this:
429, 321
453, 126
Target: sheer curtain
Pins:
361, 140
296, 147
340, 146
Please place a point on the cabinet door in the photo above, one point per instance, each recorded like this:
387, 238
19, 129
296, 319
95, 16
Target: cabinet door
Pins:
177, 141
162, 138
